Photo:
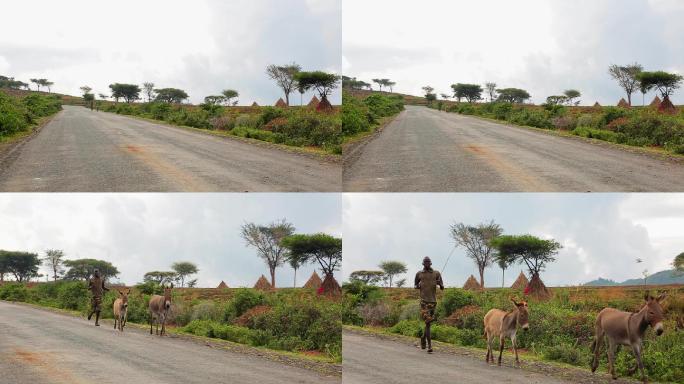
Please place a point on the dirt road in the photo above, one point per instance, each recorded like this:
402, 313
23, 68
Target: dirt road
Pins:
371, 359
85, 151
425, 150
37, 346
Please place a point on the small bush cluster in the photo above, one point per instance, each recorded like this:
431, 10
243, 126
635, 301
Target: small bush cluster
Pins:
17, 114
360, 115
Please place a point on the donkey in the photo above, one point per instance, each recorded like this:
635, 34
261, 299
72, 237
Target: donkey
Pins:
505, 324
627, 328
159, 309
121, 310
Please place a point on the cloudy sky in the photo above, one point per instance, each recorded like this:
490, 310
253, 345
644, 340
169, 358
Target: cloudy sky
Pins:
543, 46
144, 232
602, 234
201, 46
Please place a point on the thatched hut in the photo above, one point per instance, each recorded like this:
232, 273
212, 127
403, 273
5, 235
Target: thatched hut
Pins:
597, 105
521, 282
537, 289
254, 104
314, 102
656, 102
471, 284
667, 107
314, 282
263, 284
330, 287
280, 103
623, 103
324, 106
223, 285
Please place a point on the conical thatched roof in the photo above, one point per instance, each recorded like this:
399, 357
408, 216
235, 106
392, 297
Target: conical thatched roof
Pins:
656, 102
263, 284
330, 287
314, 102
623, 103
254, 104
223, 285
537, 289
314, 281
521, 282
596, 104
471, 284
667, 107
280, 103
324, 106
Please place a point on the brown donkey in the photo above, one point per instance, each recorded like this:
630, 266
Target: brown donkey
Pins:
627, 328
121, 310
505, 324
159, 308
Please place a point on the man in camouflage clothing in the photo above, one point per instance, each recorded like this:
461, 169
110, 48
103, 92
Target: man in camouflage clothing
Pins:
427, 281
97, 288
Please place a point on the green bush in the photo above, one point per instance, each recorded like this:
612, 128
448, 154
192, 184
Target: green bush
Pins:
600, 134
384, 105
269, 113
253, 133
453, 299
73, 295
355, 116
244, 300
18, 114
531, 118
411, 328
14, 292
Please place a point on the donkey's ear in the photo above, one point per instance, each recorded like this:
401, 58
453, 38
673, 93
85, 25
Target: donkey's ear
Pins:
129, 291
120, 293
647, 296
514, 302
661, 297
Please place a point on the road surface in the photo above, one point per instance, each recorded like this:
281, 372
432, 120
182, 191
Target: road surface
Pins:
85, 151
425, 150
372, 360
38, 346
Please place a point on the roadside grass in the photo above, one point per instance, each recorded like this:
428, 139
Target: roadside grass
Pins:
362, 116
561, 329
297, 127
292, 320
21, 113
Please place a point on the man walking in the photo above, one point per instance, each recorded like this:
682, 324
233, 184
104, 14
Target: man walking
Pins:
427, 281
97, 288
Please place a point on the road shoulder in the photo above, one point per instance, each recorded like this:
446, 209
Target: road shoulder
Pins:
286, 358
352, 151
10, 148
528, 363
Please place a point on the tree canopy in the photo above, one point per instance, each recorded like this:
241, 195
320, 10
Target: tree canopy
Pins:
54, 259
513, 95
367, 277
627, 77
128, 92
528, 249
267, 240
477, 241
471, 92
229, 95
171, 95
160, 277
184, 269
678, 262
284, 76
82, 269
664, 82
391, 269
22, 265
321, 81
321, 247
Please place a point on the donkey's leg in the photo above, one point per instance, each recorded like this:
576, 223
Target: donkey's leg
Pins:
502, 340
612, 346
515, 349
636, 349
489, 346
151, 322
598, 341
114, 322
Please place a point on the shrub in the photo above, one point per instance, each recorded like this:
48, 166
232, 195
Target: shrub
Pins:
222, 123
206, 310
565, 122
374, 314
268, 114
600, 134
412, 328
243, 300
355, 116
73, 295
530, 117
14, 292
245, 121
383, 105
453, 299
253, 133
587, 120
502, 110
611, 113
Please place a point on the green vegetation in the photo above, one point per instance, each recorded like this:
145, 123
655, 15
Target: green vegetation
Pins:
561, 328
293, 320
21, 113
364, 114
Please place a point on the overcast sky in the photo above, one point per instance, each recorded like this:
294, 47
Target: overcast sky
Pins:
543, 46
144, 232
201, 46
602, 234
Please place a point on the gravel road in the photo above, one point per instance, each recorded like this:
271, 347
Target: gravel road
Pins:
85, 151
38, 346
425, 150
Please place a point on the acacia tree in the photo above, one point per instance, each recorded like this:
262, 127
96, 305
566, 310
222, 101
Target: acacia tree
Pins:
379, 82
571, 95
129, 92
534, 252
678, 263
82, 269
320, 81
48, 84
391, 269
367, 277
160, 277
171, 95
390, 84
37, 82
184, 269
148, 88
503, 261
22, 265
54, 259
627, 77
513, 95
267, 240
471, 92
296, 261
85, 89
477, 241
229, 95
284, 76
491, 90
664, 82
321, 247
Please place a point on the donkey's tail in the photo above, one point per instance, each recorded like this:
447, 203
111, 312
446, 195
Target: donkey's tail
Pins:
593, 346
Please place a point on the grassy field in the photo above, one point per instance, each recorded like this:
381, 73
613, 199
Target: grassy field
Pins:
295, 319
561, 329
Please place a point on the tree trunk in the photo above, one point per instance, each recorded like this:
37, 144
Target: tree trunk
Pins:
272, 270
482, 278
629, 99
287, 101
503, 272
295, 278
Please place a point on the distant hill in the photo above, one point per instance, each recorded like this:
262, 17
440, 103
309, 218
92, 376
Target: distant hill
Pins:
660, 278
